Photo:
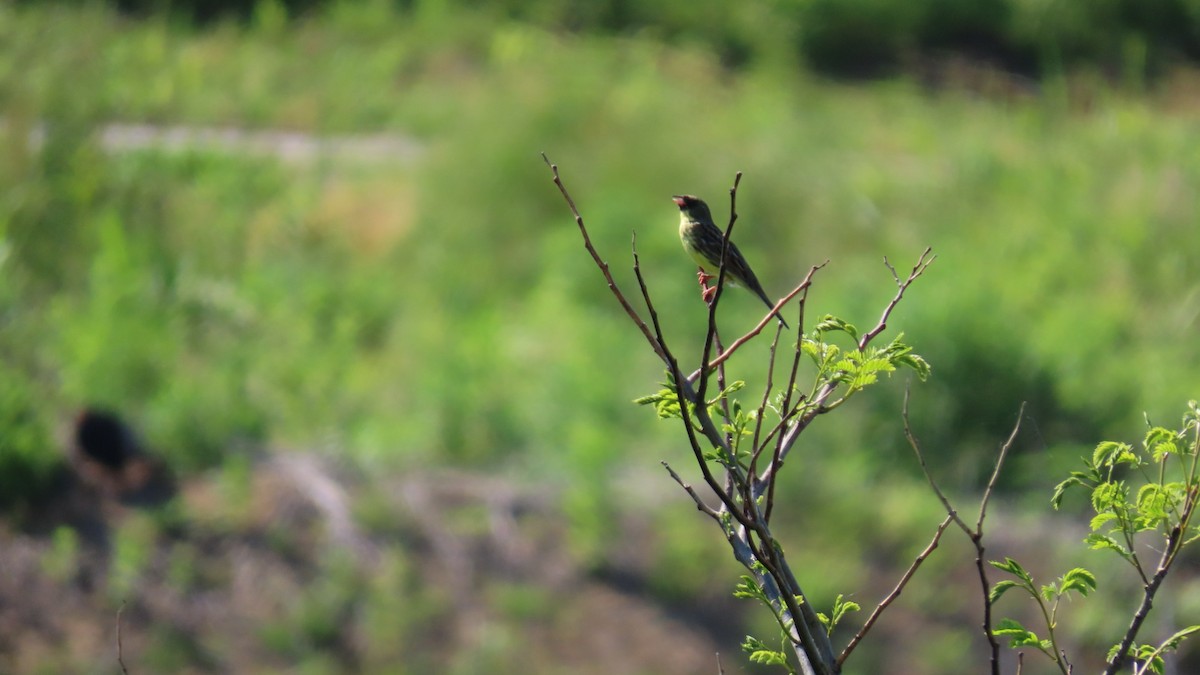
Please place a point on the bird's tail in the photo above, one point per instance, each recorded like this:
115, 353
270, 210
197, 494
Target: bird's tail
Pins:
778, 315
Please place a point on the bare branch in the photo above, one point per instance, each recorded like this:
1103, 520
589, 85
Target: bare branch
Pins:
987, 494
770, 316
655, 344
684, 393
768, 387
120, 647
892, 268
710, 335
918, 269
916, 446
974, 534
891, 597
700, 505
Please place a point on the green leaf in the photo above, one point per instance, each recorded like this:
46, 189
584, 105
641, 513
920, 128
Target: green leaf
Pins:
1158, 436
1079, 580
1150, 655
1020, 636
918, 364
733, 387
1153, 502
768, 657
1061, 488
665, 402
1008, 627
1102, 519
896, 348
1014, 568
760, 653
1097, 542
1000, 588
1111, 453
749, 589
822, 353
843, 608
1109, 495
1180, 635
830, 323
840, 607
752, 644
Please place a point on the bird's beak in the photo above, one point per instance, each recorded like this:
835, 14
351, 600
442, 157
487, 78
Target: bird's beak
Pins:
678, 201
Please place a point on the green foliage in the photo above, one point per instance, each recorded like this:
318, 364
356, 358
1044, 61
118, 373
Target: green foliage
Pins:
858, 37
28, 459
665, 402
1140, 489
132, 553
749, 589
758, 652
856, 368
841, 607
1047, 598
1151, 656
1133, 490
61, 562
846, 36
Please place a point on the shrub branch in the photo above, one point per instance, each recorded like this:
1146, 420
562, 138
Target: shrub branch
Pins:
745, 487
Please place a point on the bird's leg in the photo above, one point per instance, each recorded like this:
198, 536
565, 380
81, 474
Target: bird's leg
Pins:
706, 293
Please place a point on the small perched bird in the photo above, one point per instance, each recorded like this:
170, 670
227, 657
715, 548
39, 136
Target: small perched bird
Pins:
702, 239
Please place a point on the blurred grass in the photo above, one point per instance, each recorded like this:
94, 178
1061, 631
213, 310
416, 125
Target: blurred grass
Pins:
445, 313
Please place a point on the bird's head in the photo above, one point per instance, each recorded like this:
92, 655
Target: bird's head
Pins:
693, 207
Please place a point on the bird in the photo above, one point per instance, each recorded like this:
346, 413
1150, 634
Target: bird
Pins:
702, 239
107, 454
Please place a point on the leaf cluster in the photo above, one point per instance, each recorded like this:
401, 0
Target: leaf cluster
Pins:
1134, 490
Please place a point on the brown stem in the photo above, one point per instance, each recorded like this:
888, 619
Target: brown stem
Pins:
655, 344
891, 597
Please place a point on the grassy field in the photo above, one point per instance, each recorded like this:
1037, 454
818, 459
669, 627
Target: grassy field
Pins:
441, 312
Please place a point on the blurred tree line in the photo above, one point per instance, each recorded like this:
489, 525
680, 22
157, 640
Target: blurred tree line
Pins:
838, 37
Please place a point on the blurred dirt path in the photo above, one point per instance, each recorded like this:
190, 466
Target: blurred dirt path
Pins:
289, 146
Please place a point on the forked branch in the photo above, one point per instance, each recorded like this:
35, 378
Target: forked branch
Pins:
741, 513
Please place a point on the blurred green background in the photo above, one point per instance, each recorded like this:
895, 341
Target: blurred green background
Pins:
376, 271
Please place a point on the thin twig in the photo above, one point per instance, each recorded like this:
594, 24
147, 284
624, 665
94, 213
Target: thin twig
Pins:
768, 387
770, 316
891, 597
686, 395
974, 534
980, 557
991, 486
918, 269
612, 285
710, 335
916, 446
121, 647
817, 403
700, 505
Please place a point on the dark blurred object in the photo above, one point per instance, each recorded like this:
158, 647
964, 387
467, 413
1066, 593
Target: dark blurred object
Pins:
1134, 39
206, 11
107, 455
